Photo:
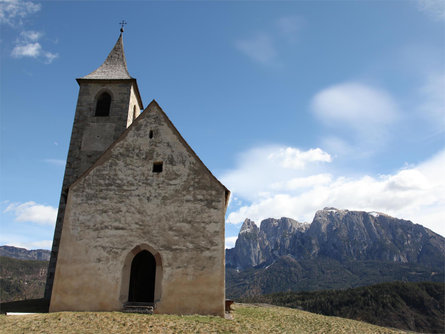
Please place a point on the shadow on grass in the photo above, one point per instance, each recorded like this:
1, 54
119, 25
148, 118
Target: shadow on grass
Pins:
26, 306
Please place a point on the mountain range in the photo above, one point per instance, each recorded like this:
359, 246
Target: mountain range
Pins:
24, 254
339, 249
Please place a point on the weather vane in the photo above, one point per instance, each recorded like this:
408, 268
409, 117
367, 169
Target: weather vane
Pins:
122, 23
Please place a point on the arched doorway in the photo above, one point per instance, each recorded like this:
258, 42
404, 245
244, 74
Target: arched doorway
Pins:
142, 278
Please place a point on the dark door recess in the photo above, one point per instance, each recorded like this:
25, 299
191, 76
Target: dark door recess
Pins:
142, 278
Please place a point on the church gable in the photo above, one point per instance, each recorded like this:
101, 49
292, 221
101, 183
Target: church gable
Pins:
148, 191
154, 133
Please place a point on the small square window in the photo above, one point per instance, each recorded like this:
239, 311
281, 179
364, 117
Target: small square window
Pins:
157, 167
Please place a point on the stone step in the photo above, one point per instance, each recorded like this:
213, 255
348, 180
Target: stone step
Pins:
143, 308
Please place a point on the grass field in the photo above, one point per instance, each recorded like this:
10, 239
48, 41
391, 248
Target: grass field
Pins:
246, 319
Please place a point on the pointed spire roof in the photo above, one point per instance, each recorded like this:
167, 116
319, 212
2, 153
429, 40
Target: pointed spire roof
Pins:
114, 67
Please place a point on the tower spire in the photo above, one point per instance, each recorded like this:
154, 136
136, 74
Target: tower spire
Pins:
115, 66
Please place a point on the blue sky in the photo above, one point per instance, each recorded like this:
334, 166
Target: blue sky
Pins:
293, 105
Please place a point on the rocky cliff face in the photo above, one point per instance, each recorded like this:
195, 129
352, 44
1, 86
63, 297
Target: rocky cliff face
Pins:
256, 246
340, 235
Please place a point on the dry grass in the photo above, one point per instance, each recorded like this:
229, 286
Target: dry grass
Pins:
246, 319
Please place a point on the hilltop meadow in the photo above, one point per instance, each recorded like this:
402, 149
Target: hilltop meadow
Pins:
245, 319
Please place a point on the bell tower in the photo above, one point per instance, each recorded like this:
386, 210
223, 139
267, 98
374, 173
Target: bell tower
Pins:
107, 104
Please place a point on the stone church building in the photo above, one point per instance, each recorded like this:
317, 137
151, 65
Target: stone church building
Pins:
141, 218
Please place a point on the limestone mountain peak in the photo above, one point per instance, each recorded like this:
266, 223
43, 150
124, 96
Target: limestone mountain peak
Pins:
248, 226
340, 235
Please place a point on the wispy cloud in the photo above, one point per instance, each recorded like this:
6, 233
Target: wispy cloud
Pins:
290, 27
56, 162
433, 97
302, 182
434, 8
33, 213
260, 48
416, 193
263, 46
355, 105
13, 12
28, 45
41, 244
22, 241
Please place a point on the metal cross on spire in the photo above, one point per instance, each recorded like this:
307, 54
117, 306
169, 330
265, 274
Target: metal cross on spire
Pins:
122, 23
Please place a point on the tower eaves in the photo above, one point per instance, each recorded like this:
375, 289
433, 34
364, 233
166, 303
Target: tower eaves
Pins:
114, 67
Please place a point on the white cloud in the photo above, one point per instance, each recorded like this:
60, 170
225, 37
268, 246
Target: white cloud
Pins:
355, 105
261, 170
259, 48
12, 12
230, 242
27, 50
359, 117
302, 182
291, 157
33, 212
434, 8
416, 193
28, 45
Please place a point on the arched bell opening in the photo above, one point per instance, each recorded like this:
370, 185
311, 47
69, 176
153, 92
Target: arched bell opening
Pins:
103, 105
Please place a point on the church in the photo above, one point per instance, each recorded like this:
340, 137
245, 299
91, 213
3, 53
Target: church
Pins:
141, 218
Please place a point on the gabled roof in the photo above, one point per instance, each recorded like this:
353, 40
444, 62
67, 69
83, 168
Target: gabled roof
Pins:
114, 67
154, 105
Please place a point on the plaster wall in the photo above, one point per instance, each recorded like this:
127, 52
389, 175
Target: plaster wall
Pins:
120, 204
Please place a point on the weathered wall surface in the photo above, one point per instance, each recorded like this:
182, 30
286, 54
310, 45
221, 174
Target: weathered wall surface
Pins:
90, 137
120, 204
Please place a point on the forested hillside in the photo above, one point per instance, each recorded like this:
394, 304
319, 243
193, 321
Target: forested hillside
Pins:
413, 306
21, 279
